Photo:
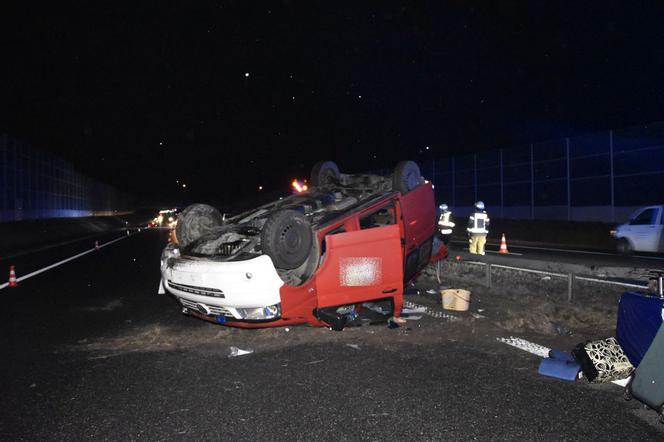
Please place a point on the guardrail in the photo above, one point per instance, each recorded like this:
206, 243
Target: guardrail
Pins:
571, 277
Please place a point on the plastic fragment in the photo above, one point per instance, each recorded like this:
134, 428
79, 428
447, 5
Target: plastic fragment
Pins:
234, 351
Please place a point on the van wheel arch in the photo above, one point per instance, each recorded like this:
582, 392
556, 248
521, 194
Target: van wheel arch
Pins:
625, 246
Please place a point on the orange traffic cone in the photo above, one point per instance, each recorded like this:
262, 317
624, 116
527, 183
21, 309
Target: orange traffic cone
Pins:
12, 277
503, 245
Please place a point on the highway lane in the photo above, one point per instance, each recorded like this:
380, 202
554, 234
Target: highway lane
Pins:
90, 351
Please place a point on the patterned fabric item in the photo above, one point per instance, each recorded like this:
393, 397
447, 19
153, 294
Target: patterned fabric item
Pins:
603, 361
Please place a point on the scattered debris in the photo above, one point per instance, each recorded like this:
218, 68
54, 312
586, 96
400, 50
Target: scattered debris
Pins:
234, 351
432, 292
524, 345
546, 278
354, 346
429, 311
287, 329
414, 317
314, 362
414, 309
561, 329
477, 315
561, 355
603, 360
560, 369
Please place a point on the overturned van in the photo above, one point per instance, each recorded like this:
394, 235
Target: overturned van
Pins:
318, 257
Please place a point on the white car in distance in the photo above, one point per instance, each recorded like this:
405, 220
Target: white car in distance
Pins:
643, 231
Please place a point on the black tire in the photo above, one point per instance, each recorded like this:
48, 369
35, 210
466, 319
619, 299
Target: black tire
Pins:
195, 221
624, 247
325, 174
287, 238
407, 176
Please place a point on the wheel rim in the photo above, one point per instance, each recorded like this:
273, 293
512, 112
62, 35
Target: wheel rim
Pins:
412, 180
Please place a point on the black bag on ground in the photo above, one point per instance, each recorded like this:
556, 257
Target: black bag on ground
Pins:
647, 384
602, 361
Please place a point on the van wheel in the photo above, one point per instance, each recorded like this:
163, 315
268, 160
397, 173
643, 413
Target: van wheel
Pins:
325, 174
287, 238
195, 221
624, 247
406, 177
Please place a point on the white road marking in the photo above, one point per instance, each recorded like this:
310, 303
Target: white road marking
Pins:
59, 263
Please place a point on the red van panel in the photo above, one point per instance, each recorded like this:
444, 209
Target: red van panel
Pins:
360, 266
419, 216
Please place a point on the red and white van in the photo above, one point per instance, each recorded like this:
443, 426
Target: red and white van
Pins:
322, 257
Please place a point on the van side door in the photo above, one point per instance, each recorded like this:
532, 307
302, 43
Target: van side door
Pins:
418, 210
365, 264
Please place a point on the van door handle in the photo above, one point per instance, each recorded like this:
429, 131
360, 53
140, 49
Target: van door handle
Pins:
389, 290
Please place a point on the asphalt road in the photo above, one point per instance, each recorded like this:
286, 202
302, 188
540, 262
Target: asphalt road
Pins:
91, 352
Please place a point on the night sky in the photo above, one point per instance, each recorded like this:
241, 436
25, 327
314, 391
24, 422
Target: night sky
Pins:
229, 95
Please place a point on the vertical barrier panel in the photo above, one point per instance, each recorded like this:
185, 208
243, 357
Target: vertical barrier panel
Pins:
590, 177
36, 184
464, 182
549, 171
599, 176
638, 155
488, 179
517, 182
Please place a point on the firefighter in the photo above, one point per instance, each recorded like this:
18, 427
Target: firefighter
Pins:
478, 225
445, 224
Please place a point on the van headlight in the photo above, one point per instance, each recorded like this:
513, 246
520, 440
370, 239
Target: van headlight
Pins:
260, 313
170, 251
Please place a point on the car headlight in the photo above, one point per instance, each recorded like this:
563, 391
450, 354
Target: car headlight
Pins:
170, 251
260, 313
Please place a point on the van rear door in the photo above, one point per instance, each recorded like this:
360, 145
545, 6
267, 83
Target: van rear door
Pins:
361, 265
419, 223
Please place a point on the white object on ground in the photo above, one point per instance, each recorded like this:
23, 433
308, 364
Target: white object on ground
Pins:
524, 345
414, 309
428, 311
238, 352
354, 346
432, 292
